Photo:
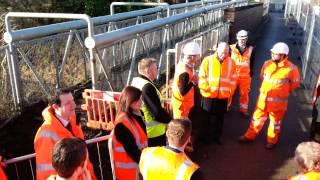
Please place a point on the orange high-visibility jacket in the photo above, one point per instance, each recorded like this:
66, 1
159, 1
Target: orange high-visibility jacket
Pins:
307, 176
124, 167
2, 174
278, 81
242, 61
187, 99
315, 93
50, 132
216, 79
159, 163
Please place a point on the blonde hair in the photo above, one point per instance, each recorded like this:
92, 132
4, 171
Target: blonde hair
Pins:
307, 155
144, 64
179, 131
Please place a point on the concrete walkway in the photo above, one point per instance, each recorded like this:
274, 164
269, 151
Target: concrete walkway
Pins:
235, 161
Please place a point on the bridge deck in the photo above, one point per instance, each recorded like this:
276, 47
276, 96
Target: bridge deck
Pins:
233, 160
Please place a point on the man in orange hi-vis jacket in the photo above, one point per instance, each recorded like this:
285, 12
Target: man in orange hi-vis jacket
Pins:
59, 123
183, 83
216, 76
279, 78
242, 54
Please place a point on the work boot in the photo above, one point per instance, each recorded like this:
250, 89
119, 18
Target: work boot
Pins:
243, 139
245, 114
270, 146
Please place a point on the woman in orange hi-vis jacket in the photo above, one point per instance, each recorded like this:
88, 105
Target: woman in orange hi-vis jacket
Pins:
129, 136
315, 124
307, 156
279, 78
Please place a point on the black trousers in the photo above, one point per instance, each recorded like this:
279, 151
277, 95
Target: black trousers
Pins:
213, 111
315, 124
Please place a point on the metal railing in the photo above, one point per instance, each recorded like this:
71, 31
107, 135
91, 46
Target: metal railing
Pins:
30, 158
305, 19
54, 56
152, 37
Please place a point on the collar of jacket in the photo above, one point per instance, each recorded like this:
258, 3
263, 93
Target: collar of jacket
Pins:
146, 78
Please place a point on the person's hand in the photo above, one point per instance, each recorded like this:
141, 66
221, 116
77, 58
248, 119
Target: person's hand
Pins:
195, 79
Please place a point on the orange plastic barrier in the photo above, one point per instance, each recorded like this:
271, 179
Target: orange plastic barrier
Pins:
101, 108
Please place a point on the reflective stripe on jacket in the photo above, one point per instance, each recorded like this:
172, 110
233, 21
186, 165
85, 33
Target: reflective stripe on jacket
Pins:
278, 81
159, 163
307, 176
242, 61
315, 93
177, 99
124, 167
46, 137
216, 79
154, 128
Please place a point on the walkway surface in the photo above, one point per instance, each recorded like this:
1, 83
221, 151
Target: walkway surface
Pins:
235, 161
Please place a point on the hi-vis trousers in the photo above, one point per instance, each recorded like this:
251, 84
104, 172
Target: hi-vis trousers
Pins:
259, 118
244, 88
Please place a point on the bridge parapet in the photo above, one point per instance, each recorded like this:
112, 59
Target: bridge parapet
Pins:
303, 18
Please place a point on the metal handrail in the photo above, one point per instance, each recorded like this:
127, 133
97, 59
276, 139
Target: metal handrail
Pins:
112, 37
113, 4
40, 31
33, 155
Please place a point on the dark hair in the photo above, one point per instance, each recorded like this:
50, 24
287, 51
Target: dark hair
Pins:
129, 95
67, 155
56, 98
178, 131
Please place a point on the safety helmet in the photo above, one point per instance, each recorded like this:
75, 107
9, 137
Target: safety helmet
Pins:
280, 48
242, 34
191, 48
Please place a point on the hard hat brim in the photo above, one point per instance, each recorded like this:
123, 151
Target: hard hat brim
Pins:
242, 37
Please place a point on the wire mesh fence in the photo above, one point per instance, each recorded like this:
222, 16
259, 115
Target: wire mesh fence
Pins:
61, 60
307, 30
6, 97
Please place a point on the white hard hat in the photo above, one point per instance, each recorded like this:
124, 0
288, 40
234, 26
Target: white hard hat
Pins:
191, 48
280, 48
242, 34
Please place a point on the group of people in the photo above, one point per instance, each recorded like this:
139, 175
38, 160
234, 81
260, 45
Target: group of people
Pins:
146, 141
220, 74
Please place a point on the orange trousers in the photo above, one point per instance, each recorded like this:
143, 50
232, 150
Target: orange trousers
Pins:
244, 89
259, 118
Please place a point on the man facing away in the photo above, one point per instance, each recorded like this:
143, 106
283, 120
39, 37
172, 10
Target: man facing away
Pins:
216, 78
242, 54
279, 78
307, 156
155, 115
69, 157
170, 162
59, 123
